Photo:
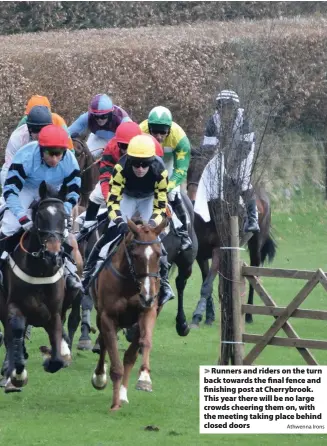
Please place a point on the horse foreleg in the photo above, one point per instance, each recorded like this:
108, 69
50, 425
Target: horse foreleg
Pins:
99, 378
147, 322
74, 318
85, 342
182, 326
17, 324
59, 347
76, 255
130, 357
205, 302
108, 332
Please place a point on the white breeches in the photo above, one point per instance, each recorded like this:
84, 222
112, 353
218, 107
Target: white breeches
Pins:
96, 145
10, 224
130, 205
96, 196
172, 194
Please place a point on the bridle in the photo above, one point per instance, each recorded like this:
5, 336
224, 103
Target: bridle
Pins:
58, 235
135, 276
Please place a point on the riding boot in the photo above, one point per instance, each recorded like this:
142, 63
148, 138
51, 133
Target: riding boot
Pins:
107, 237
72, 280
90, 219
7, 246
179, 210
165, 293
252, 221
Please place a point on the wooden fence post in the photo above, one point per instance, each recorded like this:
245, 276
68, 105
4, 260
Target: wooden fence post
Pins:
238, 317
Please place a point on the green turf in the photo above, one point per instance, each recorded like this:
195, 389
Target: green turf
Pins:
64, 409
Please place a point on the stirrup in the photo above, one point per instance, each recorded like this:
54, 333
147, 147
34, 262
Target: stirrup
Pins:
186, 241
253, 227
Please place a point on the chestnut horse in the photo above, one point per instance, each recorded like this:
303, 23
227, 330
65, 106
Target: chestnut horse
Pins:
125, 293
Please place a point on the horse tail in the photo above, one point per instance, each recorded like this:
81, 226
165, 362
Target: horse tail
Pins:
268, 249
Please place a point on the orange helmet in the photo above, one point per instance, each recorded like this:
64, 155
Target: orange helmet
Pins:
53, 136
37, 100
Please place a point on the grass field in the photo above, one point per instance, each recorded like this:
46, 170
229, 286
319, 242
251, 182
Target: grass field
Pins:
64, 409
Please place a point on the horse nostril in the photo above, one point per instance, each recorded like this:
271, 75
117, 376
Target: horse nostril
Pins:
146, 303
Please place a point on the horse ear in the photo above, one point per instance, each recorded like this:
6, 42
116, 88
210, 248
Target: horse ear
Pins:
43, 190
158, 229
133, 227
63, 192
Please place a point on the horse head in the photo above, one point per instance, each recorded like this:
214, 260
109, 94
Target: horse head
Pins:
89, 170
143, 254
49, 218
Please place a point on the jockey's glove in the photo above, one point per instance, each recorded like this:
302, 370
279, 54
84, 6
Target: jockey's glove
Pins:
122, 226
26, 223
152, 223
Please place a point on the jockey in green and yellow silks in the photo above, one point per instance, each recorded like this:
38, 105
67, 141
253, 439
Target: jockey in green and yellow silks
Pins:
177, 151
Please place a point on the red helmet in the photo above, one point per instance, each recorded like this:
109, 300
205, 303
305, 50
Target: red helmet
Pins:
126, 131
53, 136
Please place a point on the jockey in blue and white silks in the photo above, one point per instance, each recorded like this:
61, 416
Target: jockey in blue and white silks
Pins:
102, 120
45, 160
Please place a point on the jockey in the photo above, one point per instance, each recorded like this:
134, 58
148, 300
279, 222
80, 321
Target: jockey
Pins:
228, 111
38, 117
56, 119
176, 157
44, 160
139, 183
102, 120
113, 151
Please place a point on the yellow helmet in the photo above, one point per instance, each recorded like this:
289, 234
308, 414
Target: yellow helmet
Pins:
141, 146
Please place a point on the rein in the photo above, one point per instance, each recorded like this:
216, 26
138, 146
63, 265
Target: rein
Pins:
136, 277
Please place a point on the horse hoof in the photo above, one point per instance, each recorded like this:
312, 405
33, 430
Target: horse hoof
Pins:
248, 319
84, 344
3, 382
146, 386
19, 380
123, 395
99, 382
115, 407
10, 388
182, 329
96, 348
52, 366
209, 321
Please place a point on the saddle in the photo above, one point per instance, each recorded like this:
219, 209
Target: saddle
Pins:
104, 258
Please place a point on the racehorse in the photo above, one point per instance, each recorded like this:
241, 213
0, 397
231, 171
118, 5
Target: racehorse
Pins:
89, 170
261, 245
33, 289
182, 259
125, 293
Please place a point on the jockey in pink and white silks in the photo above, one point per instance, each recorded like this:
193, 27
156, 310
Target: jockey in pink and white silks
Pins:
243, 140
102, 120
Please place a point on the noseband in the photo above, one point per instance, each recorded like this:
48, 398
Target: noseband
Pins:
136, 277
58, 235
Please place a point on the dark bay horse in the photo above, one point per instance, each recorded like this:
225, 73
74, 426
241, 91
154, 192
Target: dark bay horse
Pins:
89, 170
125, 293
33, 289
260, 245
